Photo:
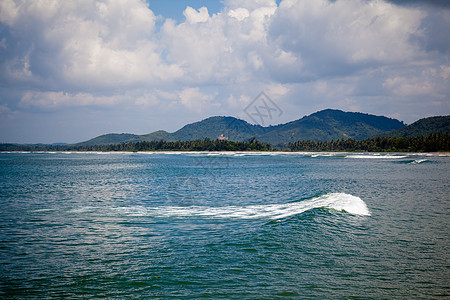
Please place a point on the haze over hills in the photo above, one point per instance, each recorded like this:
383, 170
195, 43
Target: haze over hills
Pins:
324, 125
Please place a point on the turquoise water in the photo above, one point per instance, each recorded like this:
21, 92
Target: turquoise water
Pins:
192, 225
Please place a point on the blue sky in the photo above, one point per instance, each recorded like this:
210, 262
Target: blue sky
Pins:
72, 70
174, 8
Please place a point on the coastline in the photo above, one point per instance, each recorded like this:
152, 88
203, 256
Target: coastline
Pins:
241, 153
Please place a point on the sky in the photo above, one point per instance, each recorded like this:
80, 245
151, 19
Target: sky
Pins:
73, 70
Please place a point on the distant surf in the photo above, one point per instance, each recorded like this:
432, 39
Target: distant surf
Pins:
377, 156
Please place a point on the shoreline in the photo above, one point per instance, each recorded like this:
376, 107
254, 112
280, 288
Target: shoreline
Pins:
329, 153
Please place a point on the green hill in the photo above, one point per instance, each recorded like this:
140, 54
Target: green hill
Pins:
156, 136
329, 125
112, 138
422, 127
324, 125
232, 128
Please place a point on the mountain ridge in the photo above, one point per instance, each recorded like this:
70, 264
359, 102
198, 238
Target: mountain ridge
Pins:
324, 125
422, 127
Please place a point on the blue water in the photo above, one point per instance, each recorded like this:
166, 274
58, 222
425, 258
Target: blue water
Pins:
247, 226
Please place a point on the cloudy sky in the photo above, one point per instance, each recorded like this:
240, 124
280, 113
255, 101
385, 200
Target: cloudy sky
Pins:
72, 70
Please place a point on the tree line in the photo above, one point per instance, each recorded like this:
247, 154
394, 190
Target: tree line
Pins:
197, 145
432, 143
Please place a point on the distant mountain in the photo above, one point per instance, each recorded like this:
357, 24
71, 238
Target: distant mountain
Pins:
324, 125
156, 136
232, 128
422, 127
331, 124
112, 138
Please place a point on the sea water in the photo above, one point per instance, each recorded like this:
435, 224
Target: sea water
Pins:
224, 225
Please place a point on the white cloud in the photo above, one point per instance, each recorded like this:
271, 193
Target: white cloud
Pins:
198, 49
340, 37
249, 4
445, 72
223, 48
307, 54
8, 12
276, 90
238, 103
6, 112
255, 60
62, 99
194, 99
113, 44
431, 82
147, 99
3, 43
93, 44
239, 13
193, 16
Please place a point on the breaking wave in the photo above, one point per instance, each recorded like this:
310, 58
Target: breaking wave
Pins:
337, 201
418, 161
376, 156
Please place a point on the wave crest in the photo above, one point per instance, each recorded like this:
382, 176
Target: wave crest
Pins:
338, 201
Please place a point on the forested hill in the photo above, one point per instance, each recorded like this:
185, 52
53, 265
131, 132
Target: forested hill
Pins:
232, 128
328, 130
422, 127
331, 124
112, 138
324, 125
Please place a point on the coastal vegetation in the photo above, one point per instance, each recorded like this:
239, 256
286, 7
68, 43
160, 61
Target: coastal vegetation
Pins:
326, 130
432, 143
196, 145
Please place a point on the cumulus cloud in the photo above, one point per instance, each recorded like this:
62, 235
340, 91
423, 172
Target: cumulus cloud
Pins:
431, 82
63, 99
341, 37
240, 13
7, 113
306, 54
114, 44
250, 4
147, 99
194, 99
277, 90
193, 16
94, 44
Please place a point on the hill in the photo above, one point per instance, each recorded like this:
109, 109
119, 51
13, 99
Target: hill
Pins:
324, 125
422, 127
232, 128
112, 138
330, 124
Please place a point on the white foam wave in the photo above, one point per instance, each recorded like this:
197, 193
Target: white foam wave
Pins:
376, 156
418, 161
325, 154
241, 154
338, 201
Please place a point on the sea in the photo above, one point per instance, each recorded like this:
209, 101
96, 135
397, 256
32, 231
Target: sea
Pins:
226, 225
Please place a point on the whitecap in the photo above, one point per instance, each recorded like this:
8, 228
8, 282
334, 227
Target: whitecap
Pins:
418, 161
376, 156
337, 201
325, 155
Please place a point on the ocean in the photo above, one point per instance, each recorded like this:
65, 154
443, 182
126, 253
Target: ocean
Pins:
224, 225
